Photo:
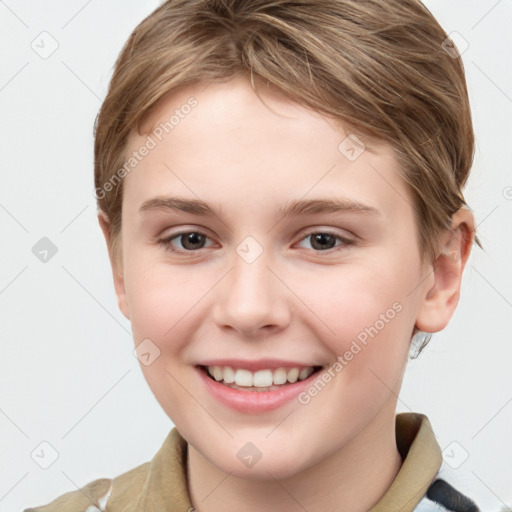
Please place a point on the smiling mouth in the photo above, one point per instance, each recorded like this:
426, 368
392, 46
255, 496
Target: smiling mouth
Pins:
261, 380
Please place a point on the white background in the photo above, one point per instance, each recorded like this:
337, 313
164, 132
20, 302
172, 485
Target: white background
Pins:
68, 374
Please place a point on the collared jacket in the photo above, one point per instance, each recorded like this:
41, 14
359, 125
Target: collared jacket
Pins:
161, 484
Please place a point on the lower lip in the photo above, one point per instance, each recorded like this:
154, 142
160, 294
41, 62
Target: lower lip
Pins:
255, 401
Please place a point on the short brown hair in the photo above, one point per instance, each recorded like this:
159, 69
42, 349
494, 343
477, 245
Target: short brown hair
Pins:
380, 67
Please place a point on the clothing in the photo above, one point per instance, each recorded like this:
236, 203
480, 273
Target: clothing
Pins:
161, 485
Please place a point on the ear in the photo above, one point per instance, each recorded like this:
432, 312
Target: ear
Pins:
441, 298
116, 265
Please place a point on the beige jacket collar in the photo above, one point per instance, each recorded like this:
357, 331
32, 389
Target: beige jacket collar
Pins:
165, 486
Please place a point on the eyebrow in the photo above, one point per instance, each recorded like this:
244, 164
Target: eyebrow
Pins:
195, 206
293, 208
316, 206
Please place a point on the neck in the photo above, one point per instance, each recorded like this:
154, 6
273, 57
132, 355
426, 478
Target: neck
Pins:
353, 478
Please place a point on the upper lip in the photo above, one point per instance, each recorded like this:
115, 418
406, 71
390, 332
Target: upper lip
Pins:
257, 364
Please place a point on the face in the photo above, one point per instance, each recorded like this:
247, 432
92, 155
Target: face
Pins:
305, 258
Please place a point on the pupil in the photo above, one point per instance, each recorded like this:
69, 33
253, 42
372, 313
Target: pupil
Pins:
192, 238
322, 239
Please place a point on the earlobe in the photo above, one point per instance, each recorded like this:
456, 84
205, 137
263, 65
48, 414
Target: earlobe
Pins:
441, 299
116, 266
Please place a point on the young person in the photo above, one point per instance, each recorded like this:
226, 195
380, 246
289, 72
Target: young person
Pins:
280, 189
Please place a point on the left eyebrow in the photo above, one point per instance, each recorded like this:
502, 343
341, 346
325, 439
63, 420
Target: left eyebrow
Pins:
317, 206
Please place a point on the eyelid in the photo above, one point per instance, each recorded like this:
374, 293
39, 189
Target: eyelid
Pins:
166, 240
346, 241
330, 231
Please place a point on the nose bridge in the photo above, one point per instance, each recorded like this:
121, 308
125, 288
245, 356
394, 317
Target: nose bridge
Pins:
250, 279
251, 296
250, 285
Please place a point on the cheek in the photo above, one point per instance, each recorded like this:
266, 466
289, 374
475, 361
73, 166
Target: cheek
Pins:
352, 301
367, 317
163, 304
162, 301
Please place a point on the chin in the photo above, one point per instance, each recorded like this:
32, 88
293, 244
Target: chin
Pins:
279, 468
260, 461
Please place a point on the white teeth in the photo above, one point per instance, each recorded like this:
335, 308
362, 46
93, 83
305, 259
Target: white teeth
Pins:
229, 375
243, 378
279, 376
261, 378
293, 375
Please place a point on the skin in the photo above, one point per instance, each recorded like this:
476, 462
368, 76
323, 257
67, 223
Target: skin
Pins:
296, 301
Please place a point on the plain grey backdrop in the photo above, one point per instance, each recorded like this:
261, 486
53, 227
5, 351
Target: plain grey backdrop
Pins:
74, 404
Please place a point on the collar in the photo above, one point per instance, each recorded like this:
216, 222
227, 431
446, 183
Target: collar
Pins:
422, 459
166, 488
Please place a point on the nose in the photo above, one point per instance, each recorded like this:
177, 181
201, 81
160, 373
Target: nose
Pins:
252, 299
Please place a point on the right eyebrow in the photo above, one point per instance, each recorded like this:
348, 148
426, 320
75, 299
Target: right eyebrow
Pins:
194, 206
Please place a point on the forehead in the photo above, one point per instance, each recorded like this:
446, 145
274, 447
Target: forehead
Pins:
222, 143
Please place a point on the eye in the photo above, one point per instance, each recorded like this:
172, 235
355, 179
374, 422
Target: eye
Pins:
323, 241
191, 241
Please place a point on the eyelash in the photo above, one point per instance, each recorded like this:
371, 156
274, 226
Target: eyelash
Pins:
166, 242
